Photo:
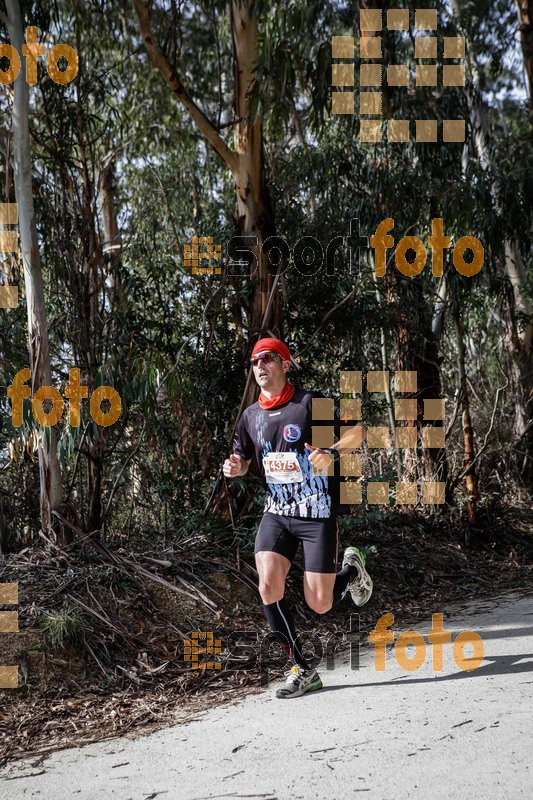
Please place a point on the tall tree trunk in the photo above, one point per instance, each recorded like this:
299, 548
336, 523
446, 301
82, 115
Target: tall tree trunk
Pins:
519, 339
410, 312
112, 244
246, 161
49, 470
91, 326
4, 531
525, 21
254, 214
416, 348
254, 208
468, 431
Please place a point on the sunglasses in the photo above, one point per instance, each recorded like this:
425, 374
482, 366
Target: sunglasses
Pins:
266, 357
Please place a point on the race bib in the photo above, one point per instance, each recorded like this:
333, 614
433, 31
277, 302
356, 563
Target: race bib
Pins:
282, 468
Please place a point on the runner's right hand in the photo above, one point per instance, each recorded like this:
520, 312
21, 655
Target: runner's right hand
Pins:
231, 466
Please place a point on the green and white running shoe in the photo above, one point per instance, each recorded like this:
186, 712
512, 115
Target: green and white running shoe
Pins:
299, 681
361, 586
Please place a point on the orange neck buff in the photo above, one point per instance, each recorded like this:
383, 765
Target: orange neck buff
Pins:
286, 395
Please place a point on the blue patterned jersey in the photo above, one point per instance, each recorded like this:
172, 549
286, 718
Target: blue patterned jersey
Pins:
276, 438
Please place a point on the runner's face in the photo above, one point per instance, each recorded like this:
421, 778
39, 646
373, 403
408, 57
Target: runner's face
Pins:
271, 373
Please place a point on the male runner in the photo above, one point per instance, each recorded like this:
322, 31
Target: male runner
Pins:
298, 507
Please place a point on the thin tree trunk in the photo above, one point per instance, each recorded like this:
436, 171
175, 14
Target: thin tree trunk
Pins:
416, 348
468, 431
49, 470
385, 368
112, 238
112, 245
4, 530
91, 322
525, 21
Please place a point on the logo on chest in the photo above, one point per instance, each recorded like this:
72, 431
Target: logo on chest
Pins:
291, 433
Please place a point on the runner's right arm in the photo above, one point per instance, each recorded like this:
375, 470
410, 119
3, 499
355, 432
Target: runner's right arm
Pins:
235, 466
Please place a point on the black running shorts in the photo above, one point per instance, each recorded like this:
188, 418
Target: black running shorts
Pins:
319, 537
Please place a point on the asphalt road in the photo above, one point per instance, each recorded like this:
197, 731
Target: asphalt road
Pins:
385, 735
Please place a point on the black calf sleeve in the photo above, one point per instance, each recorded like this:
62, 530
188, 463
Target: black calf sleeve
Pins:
281, 621
340, 587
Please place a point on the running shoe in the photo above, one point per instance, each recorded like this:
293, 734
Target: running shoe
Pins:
299, 681
361, 586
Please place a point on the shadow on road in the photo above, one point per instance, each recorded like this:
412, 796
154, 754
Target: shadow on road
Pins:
494, 665
491, 666
501, 633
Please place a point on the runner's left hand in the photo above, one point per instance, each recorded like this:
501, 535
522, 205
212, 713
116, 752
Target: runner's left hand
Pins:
320, 459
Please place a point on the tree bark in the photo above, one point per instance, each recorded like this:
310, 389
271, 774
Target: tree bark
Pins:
525, 21
254, 208
4, 531
416, 348
91, 327
49, 470
468, 431
254, 213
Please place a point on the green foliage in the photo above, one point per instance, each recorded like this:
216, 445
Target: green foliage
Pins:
174, 344
64, 626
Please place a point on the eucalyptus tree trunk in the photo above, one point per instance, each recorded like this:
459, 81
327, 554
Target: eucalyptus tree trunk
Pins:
245, 160
91, 323
519, 339
49, 470
416, 349
525, 22
112, 243
4, 531
468, 431
410, 312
